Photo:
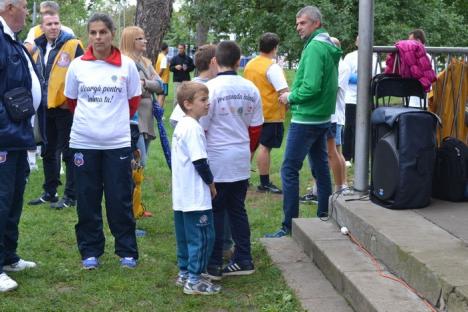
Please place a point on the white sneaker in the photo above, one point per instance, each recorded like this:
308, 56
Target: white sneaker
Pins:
6, 283
19, 266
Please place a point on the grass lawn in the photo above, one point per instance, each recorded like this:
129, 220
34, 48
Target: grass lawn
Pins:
59, 284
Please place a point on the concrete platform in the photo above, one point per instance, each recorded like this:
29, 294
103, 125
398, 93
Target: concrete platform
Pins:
313, 290
426, 247
350, 271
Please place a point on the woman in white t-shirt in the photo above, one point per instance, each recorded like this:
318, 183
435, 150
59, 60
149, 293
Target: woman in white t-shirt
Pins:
133, 44
103, 90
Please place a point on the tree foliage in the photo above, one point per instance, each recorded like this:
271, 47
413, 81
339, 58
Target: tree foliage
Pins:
445, 21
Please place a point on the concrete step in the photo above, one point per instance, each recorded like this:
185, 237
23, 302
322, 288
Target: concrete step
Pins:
313, 290
350, 271
427, 257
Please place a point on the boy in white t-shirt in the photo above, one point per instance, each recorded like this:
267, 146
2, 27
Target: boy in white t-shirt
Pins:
232, 126
192, 191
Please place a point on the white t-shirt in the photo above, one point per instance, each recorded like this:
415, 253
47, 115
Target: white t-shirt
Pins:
343, 78
275, 76
163, 64
189, 192
177, 112
31, 33
235, 105
46, 55
101, 119
351, 60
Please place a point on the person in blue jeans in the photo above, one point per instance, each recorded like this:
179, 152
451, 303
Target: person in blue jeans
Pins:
312, 102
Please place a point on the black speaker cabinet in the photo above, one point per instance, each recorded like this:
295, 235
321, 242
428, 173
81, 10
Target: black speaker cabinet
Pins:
403, 154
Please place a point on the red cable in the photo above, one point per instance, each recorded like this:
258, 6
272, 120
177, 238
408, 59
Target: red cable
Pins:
382, 274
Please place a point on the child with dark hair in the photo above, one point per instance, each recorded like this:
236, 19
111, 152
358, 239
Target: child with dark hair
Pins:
232, 128
192, 191
206, 66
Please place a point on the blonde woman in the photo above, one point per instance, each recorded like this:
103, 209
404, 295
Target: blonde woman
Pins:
133, 44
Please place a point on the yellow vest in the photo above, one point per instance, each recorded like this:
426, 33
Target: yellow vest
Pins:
55, 96
256, 71
37, 31
157, 67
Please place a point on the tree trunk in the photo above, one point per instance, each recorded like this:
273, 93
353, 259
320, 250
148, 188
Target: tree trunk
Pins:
154, 16
202, 33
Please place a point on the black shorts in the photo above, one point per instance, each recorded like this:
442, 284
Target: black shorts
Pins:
272, 134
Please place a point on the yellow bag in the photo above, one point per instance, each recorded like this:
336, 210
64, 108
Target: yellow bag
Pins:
138, 208
138, 177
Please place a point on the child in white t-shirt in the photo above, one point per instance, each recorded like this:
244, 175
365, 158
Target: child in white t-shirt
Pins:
232, 126
192, 191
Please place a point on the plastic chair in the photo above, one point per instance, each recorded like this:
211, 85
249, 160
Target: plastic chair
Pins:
393, 85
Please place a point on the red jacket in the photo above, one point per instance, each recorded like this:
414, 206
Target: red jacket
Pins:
413, 63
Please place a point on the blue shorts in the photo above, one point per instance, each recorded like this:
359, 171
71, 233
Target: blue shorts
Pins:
166, 89
335, 132
339, 135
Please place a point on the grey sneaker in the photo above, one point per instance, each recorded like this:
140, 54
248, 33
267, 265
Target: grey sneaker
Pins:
202, 287
308, 199
181, 280
63, 202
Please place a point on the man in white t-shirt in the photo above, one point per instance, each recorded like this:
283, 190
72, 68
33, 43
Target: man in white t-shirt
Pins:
46, 7
269, 78
232, 126
351, 60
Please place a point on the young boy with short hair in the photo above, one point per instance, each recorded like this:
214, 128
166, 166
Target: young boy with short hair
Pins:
192, 192
206, 66
232, 128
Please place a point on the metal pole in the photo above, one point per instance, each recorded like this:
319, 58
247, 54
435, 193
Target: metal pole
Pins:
34, 15
124, 6
361, 153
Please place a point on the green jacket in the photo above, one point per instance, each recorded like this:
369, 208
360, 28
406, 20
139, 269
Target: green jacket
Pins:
313, 95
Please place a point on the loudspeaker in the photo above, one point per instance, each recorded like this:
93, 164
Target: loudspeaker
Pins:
403, 155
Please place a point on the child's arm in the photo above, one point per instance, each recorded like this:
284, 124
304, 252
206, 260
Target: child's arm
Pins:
203, 169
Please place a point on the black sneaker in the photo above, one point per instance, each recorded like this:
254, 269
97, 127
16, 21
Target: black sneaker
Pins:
308, 199
269, 188
64, 202
213, 272
45, 197
235, 268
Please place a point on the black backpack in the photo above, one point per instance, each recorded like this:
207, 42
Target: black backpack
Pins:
451, 170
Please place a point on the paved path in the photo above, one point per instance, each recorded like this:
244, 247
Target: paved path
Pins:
452, 217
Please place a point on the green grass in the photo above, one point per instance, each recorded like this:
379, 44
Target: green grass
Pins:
59, 284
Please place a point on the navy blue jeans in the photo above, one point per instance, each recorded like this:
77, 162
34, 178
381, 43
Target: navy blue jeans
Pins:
305, 140
14, 171
108, 172
58, 126
230, 198
195, 237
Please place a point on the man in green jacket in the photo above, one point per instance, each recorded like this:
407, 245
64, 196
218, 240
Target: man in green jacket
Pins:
312, 102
